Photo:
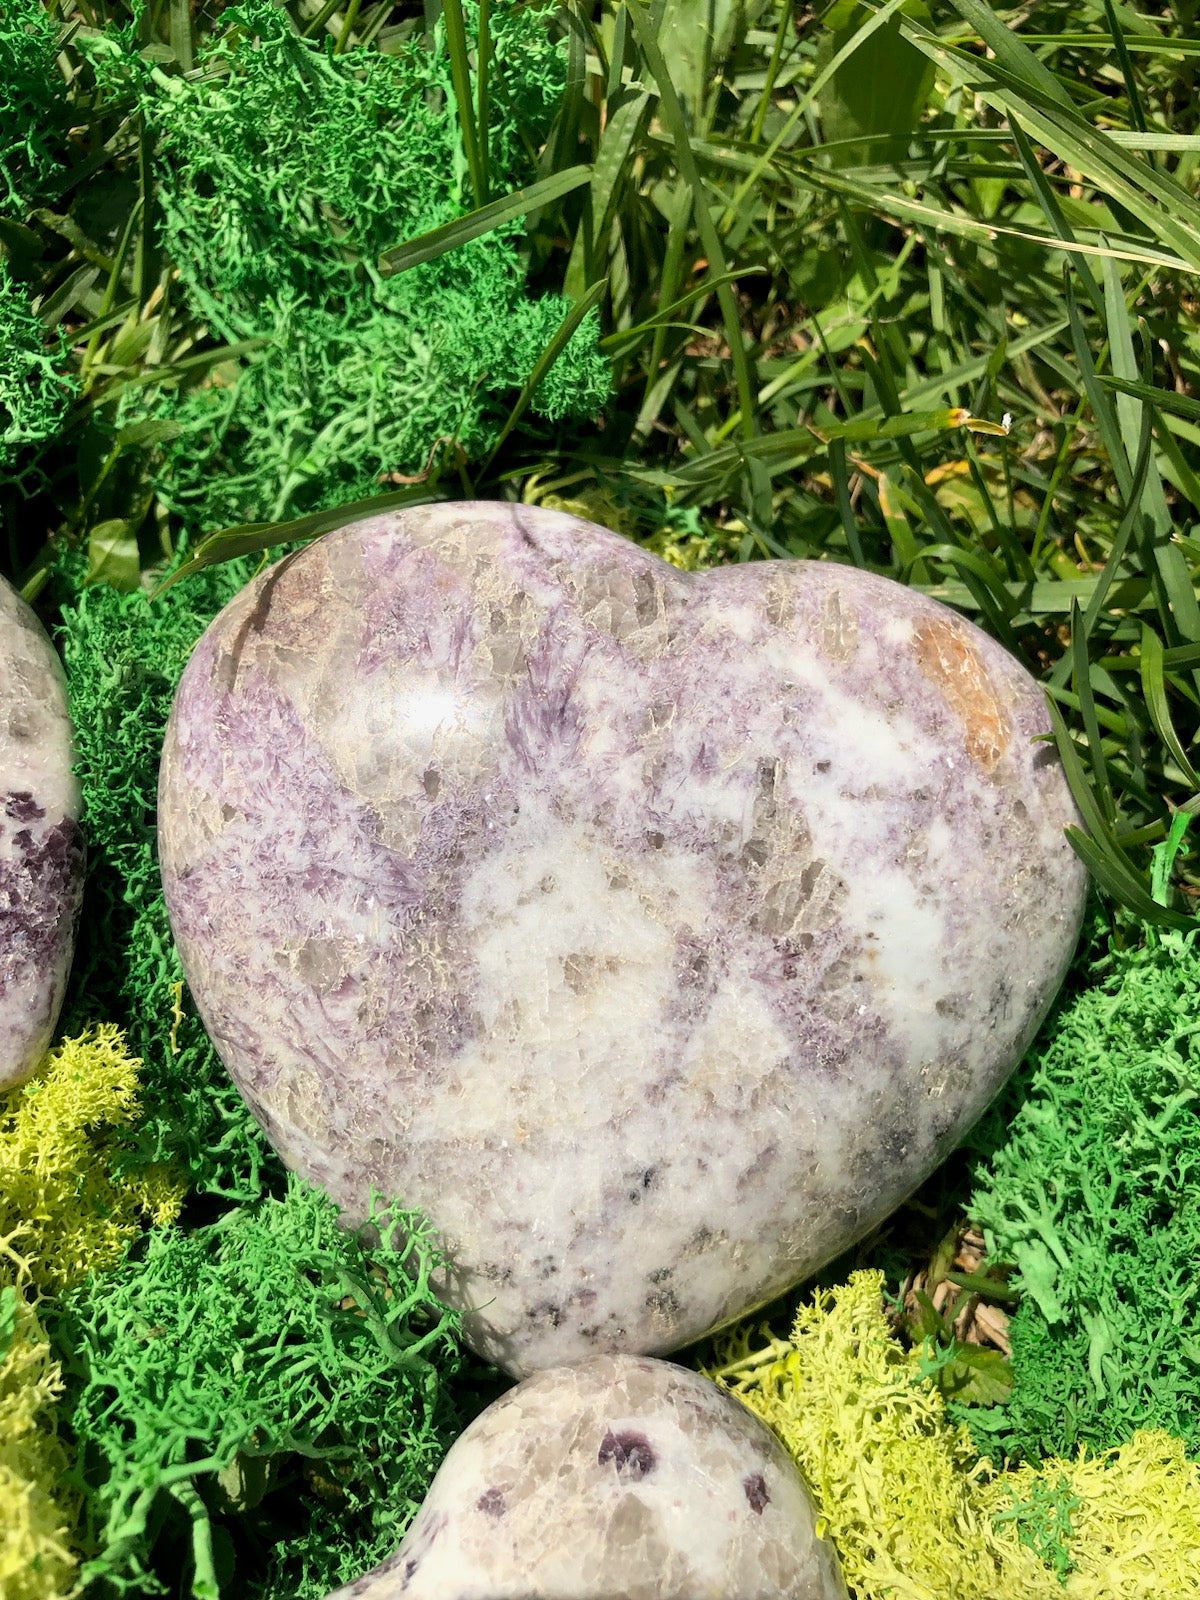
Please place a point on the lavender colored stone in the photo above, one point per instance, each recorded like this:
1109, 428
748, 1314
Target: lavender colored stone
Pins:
618, 1476
656, 933
41, 845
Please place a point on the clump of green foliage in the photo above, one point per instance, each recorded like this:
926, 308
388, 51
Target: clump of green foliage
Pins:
1094, 1193
909, 1504
37, 1512
269, 1359
66, 1205
33, 112
34, 390
283, 171
124, 655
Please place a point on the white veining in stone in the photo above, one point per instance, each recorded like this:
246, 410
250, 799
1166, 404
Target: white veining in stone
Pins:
616, 1477
655, 933
41, 844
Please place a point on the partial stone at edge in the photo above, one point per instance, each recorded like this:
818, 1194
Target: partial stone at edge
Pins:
41, 843
618, 1476
655, 933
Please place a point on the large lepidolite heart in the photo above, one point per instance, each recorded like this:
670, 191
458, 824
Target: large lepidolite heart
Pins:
655, 933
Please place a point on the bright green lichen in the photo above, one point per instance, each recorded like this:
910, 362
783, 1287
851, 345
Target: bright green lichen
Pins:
913, 1510
268, 1348
284, 171
1095, 1194
34, 391
124, 655
34, 115
65, 1205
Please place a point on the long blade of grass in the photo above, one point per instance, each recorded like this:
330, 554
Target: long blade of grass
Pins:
1010, 49
483, 89
428, 246
676, 125
460, 77
252, 538
1131, 88
611, 166
1081, 676
1154, 687
904, 208
1179, 405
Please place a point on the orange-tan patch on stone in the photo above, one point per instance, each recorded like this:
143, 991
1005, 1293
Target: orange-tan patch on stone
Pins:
948, 659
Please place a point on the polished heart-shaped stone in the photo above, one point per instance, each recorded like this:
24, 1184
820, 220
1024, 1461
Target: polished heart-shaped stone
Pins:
41, 842
618, 1478
655, 933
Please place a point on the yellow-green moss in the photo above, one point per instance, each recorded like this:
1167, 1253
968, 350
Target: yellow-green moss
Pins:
64, 1204
36, 1514
917, 1514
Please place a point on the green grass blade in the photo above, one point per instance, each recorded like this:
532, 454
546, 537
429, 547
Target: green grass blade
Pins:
1010, 49
1131, 88
673, 119
428, 246
483, 89
1081, 675
1179, 405
612, 164
252, 538
460, 76
1154, 688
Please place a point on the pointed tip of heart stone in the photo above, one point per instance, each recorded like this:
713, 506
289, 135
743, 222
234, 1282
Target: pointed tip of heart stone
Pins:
655, 933
41, 842
618, 1476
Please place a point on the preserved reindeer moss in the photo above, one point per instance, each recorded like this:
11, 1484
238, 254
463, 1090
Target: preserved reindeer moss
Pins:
34, 116
268, 1350
37, 1513
284, 171
34, 391
124, 656
1094, 1192
65, 1203
913, 1509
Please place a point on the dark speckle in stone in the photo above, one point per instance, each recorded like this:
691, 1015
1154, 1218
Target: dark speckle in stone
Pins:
755, 1487
22, 807
631, 1453
491, 1503
823, 766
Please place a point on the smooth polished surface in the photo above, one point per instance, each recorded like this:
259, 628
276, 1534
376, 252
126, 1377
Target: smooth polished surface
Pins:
619, 1476
655, 933
41, 845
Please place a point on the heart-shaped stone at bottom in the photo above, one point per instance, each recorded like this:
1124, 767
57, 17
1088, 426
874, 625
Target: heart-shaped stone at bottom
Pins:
614, 1477
655, 933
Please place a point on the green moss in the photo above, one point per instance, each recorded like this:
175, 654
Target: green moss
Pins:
284, 171
65, 1205
34, 391
124, 656
1095, 1194
34, 115
912, 1508
268, 1351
